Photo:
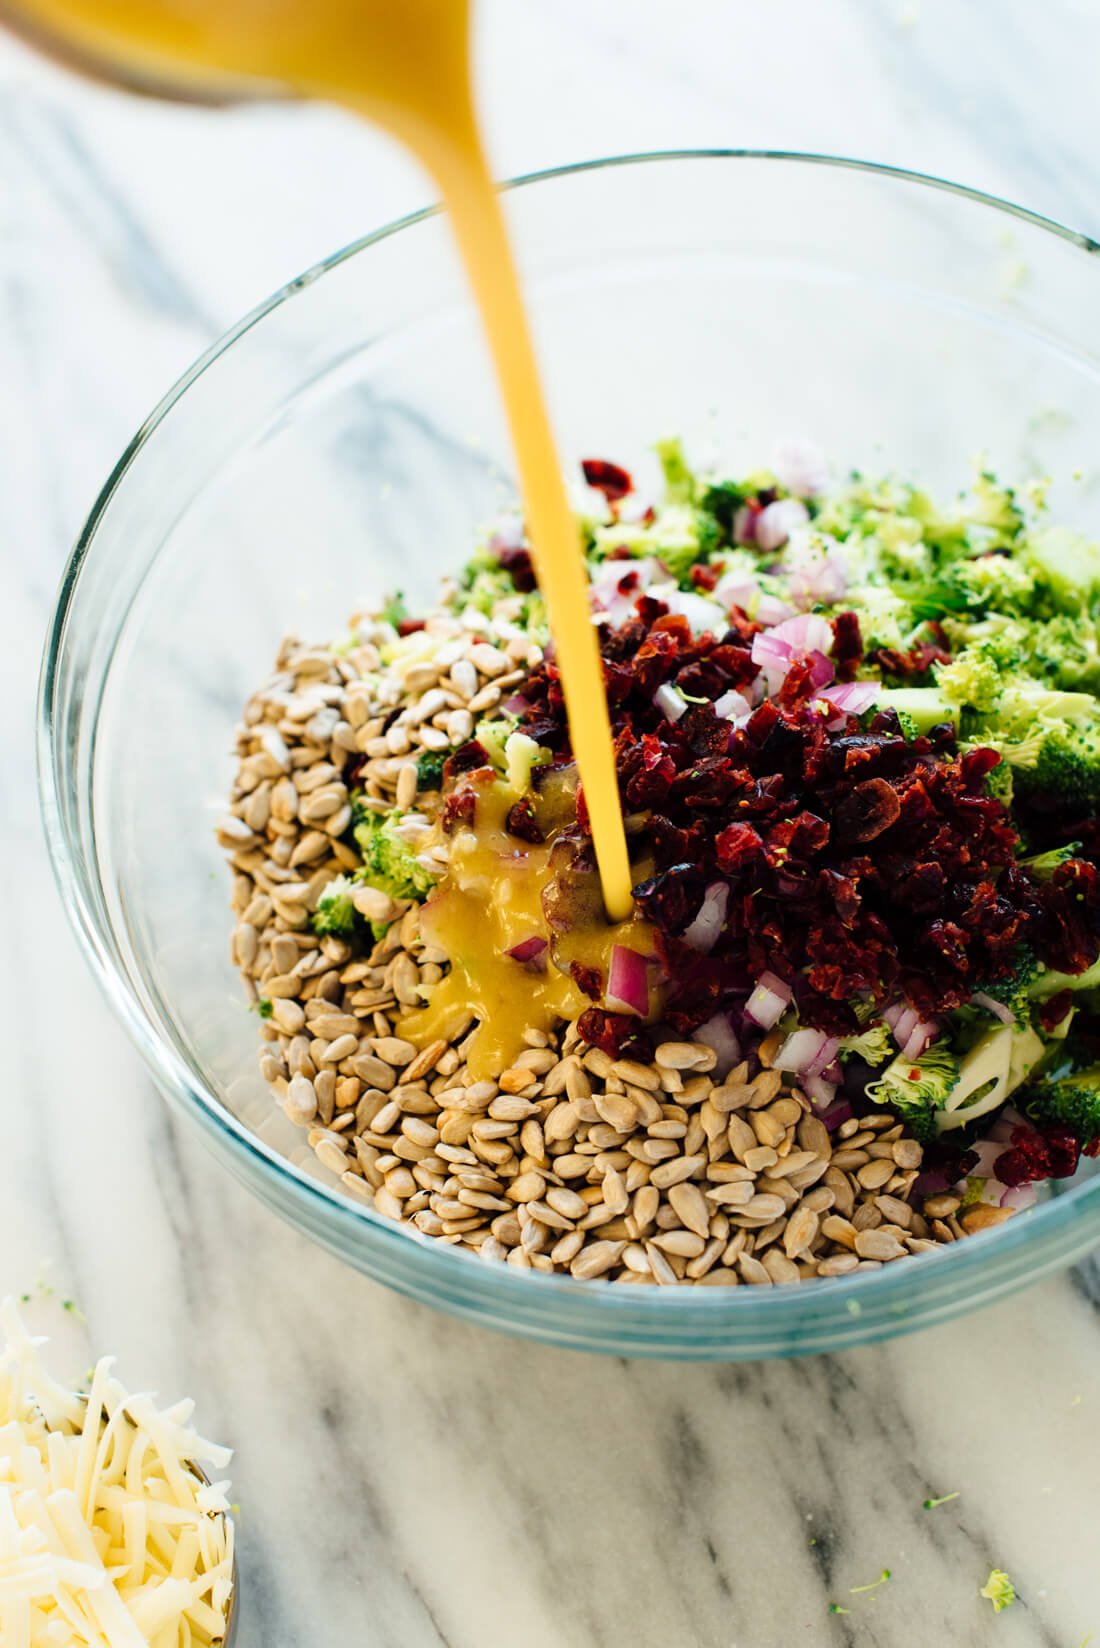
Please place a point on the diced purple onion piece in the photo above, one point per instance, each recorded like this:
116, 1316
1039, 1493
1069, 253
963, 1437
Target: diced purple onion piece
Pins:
627, 982
702, 934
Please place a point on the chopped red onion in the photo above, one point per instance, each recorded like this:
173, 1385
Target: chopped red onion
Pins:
744, 524
931, 1182
702, 614
777, 521
824, 1058
820, 1092
997, 1008
702, 934
816, 575
904, 1024
821, 669
836, 1114
516, 705
1020, 1197
987, 1152
800, 1051
732, 707
530, 953
627, 982
799, 467
771, 610
670, 701
736, 589
922, 1035
618, 605
718, 1033
770, 651
769, 1001
1002, 1129
805, 632
852, 697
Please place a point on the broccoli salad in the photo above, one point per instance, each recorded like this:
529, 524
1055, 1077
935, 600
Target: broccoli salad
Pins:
855, 1013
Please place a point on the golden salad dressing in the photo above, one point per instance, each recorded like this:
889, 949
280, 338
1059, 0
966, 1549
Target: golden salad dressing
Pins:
405, 64
492, 901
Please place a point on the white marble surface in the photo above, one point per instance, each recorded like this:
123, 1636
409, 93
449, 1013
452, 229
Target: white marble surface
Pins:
407, 1480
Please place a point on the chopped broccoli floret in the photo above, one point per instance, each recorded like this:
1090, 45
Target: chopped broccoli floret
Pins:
1068, 764
885, 619
679, 478
395, 611
970, 679
429, 769
1067, 564
678, 547
720, 503
493, 734
973, 587
923, 707
483, 582
999, 1589
679, 537
265, 1007
1016, 992
1051, 740
1043, 865
1073, 1101
1050, 982
1062, 650
918, 1088
534, 619
873, 1045
388, 861
335, 912
521, 756
1026, 707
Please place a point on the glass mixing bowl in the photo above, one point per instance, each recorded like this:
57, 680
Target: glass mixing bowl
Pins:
346, 438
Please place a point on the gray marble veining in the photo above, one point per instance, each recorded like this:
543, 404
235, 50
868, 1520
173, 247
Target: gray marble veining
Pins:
407, 1480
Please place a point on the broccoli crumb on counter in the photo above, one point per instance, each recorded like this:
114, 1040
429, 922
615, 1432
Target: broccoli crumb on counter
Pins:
999, 1590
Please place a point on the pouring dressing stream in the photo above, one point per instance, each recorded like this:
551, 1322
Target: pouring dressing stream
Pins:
405, 65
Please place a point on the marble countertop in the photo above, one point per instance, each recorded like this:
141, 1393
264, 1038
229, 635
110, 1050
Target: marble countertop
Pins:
405, 1479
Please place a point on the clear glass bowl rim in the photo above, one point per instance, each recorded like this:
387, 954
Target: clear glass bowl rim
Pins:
584, 1314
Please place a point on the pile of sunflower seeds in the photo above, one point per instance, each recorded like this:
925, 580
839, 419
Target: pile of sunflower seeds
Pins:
569, 1161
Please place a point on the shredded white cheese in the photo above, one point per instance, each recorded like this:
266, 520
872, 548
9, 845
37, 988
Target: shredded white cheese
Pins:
108, 1537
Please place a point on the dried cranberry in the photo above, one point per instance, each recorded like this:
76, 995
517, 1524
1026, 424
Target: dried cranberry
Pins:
465, 759
521, 822
611, 1032
847, 645
607, 478
589, 980
459, 808
737, 845
866, 811
1052, 1153
672, 899
1054, 1010
518, 563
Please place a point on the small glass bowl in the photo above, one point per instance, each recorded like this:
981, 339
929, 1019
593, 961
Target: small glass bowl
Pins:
346, 438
